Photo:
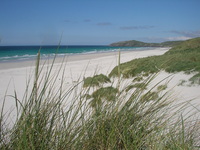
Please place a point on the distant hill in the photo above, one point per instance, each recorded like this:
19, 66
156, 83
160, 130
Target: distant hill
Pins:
134, 43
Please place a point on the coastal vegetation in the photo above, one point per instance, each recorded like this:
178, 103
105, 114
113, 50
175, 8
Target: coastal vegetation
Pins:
183, 57
96, 80
51, 117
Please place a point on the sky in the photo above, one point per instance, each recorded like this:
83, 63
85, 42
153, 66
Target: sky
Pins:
97, 22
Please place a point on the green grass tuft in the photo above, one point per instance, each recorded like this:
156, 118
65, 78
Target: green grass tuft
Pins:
103, 94
97, 80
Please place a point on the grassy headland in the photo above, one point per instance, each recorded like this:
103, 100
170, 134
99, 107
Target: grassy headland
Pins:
134, 43
182, 57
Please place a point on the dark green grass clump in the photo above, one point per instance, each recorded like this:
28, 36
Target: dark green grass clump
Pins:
108, 93
184, 57
103, 94
96, 80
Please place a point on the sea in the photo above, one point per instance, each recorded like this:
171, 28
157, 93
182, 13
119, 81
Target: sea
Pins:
25, 53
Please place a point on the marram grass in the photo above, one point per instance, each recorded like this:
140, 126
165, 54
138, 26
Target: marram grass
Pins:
53, 118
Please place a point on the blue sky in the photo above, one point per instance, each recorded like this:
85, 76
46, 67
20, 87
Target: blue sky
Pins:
97, 22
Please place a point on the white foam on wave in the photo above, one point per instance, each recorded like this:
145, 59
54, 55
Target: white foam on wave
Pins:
86, 51
17, 58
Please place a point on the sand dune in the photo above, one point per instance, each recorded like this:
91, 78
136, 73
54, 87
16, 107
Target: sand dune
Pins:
15, 76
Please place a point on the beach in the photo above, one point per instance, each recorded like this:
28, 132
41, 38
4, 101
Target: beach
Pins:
14, 76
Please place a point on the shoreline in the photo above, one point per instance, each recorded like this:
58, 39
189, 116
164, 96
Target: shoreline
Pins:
14, 76
70, 58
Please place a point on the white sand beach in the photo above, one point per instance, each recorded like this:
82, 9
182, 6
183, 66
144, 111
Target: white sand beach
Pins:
14, 76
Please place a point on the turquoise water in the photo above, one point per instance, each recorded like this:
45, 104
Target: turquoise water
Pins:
22, 53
